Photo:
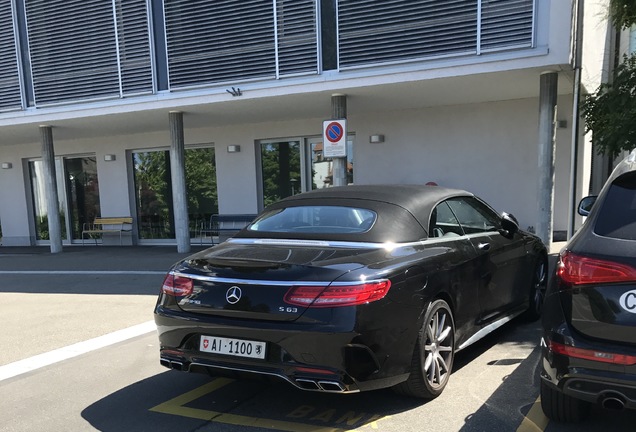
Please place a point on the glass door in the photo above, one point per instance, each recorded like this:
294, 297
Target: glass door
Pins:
82, 193
289, 168
78, 196
320, 168
280, 170
153, 191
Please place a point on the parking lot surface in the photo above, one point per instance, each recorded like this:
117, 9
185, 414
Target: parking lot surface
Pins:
80, 353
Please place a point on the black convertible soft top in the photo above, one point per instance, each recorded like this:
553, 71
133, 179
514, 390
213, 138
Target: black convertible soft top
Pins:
403, 210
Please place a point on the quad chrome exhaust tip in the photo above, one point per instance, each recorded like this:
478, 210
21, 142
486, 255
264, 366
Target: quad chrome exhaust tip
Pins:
309, 384
320, 385
173, 364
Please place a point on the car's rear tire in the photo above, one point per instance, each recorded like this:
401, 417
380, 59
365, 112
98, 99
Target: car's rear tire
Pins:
537, 290
432, 360
561, 407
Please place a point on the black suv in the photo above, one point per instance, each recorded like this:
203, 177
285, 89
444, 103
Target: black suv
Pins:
589, 316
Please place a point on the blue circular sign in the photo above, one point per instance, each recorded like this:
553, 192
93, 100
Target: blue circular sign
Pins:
334, 132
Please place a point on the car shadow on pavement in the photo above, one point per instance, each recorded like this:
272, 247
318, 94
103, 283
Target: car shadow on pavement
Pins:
174, 401
179, 401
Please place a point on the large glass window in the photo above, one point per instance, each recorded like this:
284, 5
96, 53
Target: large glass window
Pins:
322, 167
40, 209
78, 195
289, 167
82, 189
153, 191
280, 165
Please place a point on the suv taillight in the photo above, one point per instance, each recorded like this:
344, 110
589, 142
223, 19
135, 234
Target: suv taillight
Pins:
587, 354
177, 285
337, 295
575, 269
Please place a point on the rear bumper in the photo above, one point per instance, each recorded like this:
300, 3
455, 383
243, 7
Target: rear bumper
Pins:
310, 357
596, 382
600, 387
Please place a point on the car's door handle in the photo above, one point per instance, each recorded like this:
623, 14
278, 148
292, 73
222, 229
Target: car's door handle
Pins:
484, 246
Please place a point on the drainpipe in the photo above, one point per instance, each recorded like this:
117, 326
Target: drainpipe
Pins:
576, 117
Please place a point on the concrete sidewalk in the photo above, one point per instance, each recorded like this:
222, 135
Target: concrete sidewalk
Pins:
556, 247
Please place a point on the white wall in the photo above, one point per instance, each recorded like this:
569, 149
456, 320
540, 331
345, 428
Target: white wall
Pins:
487, 148
597, 36
13, 202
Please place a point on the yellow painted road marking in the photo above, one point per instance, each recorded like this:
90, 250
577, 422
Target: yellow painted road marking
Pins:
176, 406
535, 421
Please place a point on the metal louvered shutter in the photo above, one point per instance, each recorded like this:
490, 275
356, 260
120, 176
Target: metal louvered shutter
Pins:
297, 36
374, 31
133, 41
219, 41
75, 53
10, 91
506, 23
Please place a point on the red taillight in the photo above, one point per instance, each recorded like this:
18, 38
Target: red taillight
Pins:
177, 285
600, 356
337, 295
578, 270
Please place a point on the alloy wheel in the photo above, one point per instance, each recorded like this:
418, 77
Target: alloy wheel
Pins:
540, 286
438, 349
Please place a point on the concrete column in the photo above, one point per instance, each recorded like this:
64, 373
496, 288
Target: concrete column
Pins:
339, 111
50, 189
547, 130
177, 171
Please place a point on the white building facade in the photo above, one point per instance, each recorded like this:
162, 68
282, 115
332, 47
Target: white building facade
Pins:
443, 91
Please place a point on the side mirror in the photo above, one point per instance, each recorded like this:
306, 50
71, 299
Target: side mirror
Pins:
509, 224
585, 206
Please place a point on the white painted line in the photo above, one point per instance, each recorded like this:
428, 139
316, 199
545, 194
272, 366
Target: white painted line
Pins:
81, 272
41, 360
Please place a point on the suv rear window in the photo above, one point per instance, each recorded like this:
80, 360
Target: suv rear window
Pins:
617, 216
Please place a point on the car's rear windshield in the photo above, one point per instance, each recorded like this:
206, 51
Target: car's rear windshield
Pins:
617, 215
316, 219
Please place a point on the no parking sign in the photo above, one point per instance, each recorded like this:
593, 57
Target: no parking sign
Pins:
334, 134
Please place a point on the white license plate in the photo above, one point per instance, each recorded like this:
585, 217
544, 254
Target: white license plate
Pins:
232, 347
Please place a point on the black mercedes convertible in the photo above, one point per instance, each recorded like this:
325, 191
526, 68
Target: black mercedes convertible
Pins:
352, 288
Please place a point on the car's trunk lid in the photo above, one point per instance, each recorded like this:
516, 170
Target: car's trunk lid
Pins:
250, 281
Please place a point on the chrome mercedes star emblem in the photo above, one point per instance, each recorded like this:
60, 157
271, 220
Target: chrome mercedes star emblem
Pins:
233, 295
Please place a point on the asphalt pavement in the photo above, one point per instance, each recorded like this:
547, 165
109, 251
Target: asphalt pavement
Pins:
49, 301
83, 258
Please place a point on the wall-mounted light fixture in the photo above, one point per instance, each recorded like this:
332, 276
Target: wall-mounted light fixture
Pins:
233, 148
562, 124
109, 157
376, 139
7, 165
